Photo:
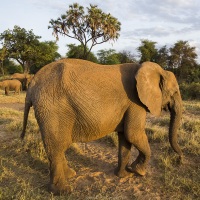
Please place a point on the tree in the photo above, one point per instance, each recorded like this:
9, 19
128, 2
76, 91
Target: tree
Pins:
25, 47
108, 57
182, 54
93, 28
11, 67
182, 59
162, 57
126, 57
20, 45
148, 51
46, 53
78, 51
3, 55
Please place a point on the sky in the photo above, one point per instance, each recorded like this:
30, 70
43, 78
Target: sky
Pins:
161, 21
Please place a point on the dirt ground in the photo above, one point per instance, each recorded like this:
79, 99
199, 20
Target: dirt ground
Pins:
95, 164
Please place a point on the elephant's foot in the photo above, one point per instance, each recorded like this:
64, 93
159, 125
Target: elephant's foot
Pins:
69, 173
57, 189
138, 168
122, 173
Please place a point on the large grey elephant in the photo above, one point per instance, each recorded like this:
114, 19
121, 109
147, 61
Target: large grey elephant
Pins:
79, 101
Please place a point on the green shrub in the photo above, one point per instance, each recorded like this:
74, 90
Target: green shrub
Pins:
190, 91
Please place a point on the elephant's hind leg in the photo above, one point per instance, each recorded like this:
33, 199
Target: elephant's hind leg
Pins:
58, 183
56, 146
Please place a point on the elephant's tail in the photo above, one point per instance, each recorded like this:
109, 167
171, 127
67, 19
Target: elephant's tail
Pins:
28, 104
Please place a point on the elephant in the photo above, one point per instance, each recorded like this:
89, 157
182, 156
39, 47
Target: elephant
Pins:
25, 79
76, 100
11, 85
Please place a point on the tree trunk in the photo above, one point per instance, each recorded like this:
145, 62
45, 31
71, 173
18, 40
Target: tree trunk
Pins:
2, 70
26, 67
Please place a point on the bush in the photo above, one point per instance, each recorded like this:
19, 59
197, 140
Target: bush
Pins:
190, 91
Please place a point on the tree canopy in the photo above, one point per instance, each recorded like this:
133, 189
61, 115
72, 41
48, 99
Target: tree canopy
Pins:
20, 45
110, 56
90, 29
78, 51
179, 58
182, 54
148, 51
182, 59
24, 47
162, 56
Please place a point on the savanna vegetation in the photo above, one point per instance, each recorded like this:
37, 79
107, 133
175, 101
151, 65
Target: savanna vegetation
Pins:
24, 166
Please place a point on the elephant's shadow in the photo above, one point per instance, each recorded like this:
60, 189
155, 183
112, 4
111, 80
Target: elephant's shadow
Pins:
101, 161
37, 165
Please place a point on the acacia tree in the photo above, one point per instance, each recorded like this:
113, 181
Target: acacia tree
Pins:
93, 28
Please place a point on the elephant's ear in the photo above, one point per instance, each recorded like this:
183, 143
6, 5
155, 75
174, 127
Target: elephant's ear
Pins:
148, 86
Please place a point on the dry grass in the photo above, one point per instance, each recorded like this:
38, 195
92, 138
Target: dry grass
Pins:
12, 98
24, 170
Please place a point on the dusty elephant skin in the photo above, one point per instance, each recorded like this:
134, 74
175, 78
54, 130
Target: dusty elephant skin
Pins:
11, 85
79, 101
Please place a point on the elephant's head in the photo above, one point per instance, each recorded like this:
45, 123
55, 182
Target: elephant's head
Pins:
158, 88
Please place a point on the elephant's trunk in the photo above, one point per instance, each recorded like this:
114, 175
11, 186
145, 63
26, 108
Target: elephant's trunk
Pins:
175, 121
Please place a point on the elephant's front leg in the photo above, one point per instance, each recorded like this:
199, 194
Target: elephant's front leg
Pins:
140, 164
123, 155
135, 134
69, 172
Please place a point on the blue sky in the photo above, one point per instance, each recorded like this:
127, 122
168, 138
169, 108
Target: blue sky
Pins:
164, 22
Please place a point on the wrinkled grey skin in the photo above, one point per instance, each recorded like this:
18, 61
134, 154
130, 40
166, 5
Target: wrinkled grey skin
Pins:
11, 85
79, 101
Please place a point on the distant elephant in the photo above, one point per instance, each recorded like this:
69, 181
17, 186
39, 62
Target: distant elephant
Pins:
25, 79
11, 85
79, 101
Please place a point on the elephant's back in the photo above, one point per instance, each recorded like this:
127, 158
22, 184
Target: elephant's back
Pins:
15, 82
54, 72
59, 77
18, 76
